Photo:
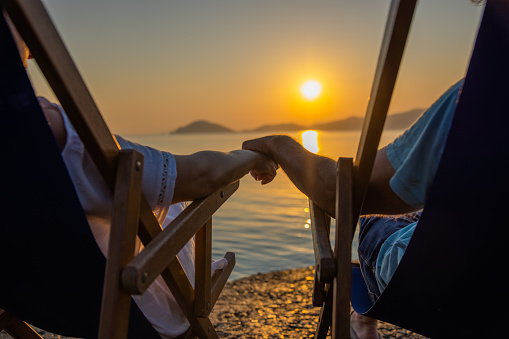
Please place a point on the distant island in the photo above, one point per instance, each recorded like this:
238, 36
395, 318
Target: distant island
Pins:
202, 126
394, 121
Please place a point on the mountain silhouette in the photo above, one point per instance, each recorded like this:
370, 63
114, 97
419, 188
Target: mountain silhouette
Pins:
403, 120
394, 121
348, 124
202, 126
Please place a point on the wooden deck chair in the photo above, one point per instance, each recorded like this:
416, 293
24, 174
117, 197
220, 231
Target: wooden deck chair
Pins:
53, 274
450, 282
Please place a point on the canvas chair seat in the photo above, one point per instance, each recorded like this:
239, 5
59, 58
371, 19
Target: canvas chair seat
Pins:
451, 275
52, 268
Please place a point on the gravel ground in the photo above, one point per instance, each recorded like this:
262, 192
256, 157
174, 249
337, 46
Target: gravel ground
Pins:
270, 305
276, 305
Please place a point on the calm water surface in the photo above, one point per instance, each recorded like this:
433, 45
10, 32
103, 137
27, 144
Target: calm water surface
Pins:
266, 226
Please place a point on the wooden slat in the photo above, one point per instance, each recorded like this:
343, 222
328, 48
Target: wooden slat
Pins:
175, 278
318, 296
343, 250
202, 285
187, 335
143, 269
116, 301
221, 277
177, 281
16, 327
325, 266
325, 318
393, 45
173, 274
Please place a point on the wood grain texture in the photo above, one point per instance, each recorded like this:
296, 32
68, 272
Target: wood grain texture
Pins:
389, 60
124, 225
165, 246
320, 230
340, 326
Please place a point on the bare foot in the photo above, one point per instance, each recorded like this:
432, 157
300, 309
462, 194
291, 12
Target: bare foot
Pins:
364, 327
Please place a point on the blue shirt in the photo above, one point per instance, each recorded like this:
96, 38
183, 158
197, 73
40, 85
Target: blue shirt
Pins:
415, 156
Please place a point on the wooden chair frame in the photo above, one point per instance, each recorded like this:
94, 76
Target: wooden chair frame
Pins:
332, 284
16, 328
122, 170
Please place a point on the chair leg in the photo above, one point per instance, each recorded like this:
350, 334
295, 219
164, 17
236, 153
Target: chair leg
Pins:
341, 288
325, 318
116, 301
187, 335
202, 301
16, 328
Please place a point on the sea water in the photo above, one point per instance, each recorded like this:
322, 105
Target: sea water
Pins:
267, 227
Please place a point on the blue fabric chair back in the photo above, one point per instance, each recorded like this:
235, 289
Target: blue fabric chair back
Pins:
51, 268
451, 280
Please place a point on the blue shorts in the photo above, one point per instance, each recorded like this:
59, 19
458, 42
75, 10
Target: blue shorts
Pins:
374, 230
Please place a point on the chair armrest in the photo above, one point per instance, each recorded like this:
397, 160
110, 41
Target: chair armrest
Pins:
325, 265
157, 255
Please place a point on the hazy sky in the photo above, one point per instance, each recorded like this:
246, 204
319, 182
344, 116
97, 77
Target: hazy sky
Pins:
155, 65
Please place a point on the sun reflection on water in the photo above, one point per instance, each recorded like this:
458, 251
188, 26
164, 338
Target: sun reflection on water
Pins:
310, 141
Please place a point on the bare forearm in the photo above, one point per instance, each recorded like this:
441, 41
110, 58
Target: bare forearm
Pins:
202, 173
313, 175
225, 168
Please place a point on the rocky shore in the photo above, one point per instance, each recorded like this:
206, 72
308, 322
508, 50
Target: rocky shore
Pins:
276, 305
270, 305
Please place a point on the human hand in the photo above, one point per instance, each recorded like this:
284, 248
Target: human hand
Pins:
265, 169
261, 145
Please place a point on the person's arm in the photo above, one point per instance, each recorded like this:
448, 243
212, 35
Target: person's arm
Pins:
380, 198
312, 174
315, 175
198, 174
202, 173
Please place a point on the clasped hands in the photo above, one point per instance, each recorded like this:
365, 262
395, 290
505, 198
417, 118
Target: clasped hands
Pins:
266, 172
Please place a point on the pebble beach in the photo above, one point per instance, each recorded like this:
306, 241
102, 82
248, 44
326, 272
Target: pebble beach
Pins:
270, 305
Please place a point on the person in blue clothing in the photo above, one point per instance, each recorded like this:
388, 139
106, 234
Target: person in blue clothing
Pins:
399, 185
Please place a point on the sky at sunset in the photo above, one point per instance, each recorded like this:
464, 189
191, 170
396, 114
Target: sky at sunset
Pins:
156, 65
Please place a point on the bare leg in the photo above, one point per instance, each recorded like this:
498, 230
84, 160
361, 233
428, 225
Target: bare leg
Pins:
364, 327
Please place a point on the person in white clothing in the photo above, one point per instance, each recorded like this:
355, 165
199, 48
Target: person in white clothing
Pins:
168, 182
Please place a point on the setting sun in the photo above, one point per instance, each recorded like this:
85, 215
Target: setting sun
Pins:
311, 89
